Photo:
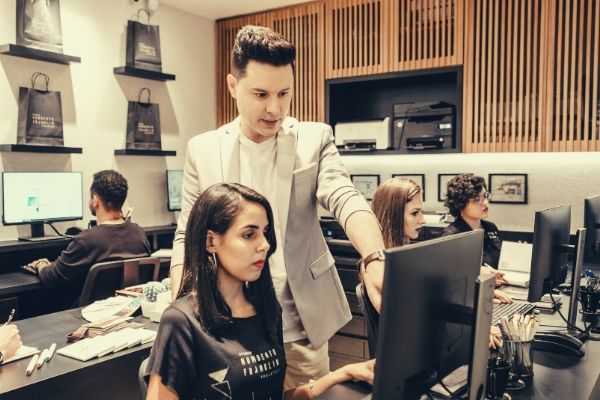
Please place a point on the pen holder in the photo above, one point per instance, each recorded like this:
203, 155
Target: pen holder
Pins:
519, 355
497, 378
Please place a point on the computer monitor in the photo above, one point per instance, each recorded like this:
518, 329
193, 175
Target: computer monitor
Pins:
550, 251
174, 182
39, 197
591, 221
427, 317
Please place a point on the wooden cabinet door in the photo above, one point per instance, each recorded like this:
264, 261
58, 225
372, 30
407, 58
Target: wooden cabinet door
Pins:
357, 38
426, 34
572, 110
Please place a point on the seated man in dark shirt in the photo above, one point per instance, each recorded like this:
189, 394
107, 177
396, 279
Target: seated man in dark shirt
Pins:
113, 238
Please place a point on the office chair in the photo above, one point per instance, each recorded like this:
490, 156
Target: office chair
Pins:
371, 316
104, 278
141, 380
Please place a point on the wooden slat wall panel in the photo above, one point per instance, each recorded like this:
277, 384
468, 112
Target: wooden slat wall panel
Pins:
426, 34
502, 64
573, 81
304, 26
357, 37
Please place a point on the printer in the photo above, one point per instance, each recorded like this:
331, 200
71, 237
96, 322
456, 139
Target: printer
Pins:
424, 126
363, 135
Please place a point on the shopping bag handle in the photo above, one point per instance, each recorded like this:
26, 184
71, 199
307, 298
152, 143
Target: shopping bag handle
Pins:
141, 92
37, 75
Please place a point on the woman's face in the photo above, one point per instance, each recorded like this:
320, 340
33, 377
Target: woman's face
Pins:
413, 218
242, 249
477, 208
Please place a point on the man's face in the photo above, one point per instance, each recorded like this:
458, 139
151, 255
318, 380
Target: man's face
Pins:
263, 96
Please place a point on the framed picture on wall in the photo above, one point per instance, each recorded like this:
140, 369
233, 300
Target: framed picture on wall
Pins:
508, 188
419, 179
443, 180
366, 184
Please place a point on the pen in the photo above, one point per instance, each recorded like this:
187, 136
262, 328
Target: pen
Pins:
10, 317
42, 358
32, 364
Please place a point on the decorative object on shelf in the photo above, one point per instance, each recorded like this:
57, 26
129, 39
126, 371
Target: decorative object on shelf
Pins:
40, 114
443, 180
366, 184
143, 44
143, 124
508, 188
419, 179
38, 24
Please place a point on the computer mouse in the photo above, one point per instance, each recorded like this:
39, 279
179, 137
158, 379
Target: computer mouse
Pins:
556, 342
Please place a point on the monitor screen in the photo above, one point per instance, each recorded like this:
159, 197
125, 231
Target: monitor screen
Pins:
174, 182
592, 223
41, 196
426, 325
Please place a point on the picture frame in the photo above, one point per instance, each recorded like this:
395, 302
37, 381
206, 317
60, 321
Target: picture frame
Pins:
419, 179
366, 184
508, 188
443, 180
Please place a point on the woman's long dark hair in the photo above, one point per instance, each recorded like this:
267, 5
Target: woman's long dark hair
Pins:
215, 210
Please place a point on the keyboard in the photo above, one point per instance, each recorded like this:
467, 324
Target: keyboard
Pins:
508, 310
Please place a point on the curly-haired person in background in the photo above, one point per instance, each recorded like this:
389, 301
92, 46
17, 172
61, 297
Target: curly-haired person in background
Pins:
467, 199
113, 238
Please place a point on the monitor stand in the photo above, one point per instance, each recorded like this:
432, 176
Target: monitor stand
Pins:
37, 234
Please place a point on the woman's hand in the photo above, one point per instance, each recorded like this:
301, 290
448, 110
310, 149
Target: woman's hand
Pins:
364, 371
10, 340
501, 297
495, 338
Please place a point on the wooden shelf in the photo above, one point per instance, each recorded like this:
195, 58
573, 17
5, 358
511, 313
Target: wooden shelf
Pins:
142, 152
395, 152
143, 73
37, 54
33, 148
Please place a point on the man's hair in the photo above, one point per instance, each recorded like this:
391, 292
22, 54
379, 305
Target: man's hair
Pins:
111, 187
260, 44
461, 189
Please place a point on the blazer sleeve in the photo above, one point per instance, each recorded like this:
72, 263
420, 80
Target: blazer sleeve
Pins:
191, 188
335, 191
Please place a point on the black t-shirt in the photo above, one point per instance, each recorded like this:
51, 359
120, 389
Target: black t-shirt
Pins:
492, 244
241, 365
101, 243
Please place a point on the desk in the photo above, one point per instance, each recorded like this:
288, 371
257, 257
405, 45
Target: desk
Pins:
556, 377
110, 377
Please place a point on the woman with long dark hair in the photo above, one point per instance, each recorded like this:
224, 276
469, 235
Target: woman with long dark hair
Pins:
222, 337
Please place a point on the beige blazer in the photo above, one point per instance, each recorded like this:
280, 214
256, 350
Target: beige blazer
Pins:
309, 170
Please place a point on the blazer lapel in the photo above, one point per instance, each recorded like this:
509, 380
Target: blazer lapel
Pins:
286, 158
230, 152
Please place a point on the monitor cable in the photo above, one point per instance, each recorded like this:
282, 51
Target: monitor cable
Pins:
56, 230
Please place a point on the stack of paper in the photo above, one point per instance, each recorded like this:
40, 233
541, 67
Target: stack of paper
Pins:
99, 346
23, 352
515, 262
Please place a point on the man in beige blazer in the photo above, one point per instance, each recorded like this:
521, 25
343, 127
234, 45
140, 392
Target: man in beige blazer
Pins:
296, 165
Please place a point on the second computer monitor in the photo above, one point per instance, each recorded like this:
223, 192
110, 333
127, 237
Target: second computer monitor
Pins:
549, 257
427, 317
174, 182
591, 221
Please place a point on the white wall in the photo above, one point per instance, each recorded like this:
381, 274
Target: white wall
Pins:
553, 179
95, 100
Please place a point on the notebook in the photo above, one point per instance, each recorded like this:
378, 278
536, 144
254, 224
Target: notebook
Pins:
515, 262
99, 346
162, 253
23, 352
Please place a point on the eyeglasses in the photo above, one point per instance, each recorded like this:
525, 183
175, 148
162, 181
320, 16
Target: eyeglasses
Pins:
482, 197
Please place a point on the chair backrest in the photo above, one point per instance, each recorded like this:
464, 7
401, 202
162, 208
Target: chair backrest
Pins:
141, 379
371, 317
104, 278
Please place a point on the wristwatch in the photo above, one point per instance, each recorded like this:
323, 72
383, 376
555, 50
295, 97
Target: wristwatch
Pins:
378, 255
